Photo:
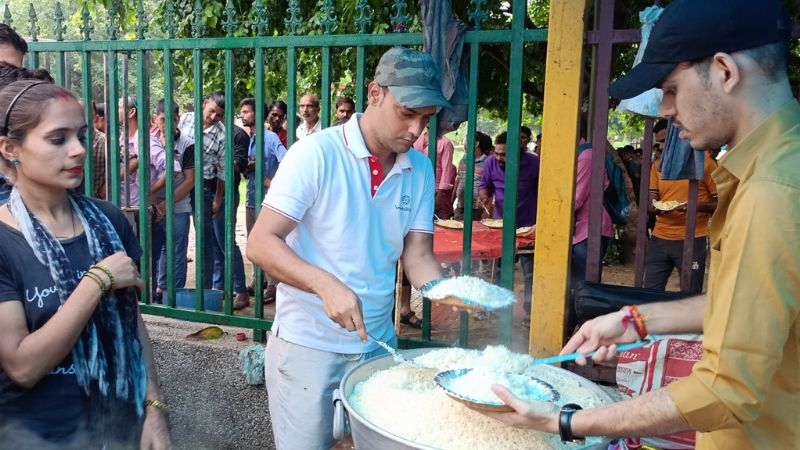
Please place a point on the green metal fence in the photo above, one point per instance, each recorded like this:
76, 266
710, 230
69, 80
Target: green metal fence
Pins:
142, 48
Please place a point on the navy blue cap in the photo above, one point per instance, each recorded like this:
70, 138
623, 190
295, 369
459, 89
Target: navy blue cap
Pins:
690, 30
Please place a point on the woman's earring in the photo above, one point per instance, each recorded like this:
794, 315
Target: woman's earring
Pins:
15, 162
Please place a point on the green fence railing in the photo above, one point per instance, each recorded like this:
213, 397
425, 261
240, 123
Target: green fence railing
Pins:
248, 31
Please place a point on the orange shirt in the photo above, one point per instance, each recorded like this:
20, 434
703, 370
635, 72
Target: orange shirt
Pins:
672, 225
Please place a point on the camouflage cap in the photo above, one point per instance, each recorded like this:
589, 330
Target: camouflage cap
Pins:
412, 77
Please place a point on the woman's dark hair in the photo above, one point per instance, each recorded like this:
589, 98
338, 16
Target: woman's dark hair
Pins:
28, 110
484, 142
42, 74
10, 73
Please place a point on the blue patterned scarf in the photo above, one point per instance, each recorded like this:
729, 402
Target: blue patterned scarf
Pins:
108, 354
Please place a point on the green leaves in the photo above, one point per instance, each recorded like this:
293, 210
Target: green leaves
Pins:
154, 19
206, 334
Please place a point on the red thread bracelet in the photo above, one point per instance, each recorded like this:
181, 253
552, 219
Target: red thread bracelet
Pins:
627, 318
638, 321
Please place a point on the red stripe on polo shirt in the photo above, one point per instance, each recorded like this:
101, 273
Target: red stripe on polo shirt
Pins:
375, 169
375, 174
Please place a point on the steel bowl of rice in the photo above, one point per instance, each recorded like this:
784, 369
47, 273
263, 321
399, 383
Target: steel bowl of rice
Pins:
398, 406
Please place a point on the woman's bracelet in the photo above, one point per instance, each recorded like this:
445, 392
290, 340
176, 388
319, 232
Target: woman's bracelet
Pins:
157, 404
96, 278
108, 274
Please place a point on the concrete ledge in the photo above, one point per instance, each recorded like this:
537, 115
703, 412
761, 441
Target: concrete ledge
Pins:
211, 405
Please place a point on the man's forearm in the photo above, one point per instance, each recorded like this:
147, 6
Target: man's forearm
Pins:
160, 183
709, 207
677, 316
654, 196
153, 392
186, 186
651, 414
421, 270
483, 196
218, 196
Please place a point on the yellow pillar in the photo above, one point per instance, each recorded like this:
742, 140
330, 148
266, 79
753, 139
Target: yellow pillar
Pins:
557, 177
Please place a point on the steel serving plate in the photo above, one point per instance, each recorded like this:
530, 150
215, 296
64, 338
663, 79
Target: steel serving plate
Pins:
536, 390
465, 302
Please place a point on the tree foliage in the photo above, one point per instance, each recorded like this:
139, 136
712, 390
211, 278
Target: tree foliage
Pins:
493, 64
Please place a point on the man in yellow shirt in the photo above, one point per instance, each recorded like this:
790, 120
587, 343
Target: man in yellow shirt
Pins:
665, 249
729, 87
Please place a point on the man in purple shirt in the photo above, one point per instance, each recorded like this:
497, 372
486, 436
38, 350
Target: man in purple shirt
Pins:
493, 183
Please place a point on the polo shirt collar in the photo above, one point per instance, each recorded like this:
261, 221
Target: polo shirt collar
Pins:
740, 159
354, 141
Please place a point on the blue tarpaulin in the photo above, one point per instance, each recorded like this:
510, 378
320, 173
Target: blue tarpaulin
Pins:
679, 161
444, 41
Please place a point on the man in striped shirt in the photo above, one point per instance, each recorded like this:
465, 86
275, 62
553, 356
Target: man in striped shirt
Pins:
213, 171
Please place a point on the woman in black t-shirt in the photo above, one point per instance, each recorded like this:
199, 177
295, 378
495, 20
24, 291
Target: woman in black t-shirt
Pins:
76, 368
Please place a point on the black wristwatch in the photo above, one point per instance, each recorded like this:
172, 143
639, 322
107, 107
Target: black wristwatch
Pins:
565, 424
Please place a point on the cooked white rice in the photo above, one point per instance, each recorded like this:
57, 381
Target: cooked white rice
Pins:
405, 401
477, 385
473, 290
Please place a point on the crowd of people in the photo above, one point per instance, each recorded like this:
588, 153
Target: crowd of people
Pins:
76, 367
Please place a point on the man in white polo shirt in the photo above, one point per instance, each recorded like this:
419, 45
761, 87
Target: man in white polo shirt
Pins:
345, 205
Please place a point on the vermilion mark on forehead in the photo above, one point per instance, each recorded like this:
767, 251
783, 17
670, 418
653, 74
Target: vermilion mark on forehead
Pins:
63, 95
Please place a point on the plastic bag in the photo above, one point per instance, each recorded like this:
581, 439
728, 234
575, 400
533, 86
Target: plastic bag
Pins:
251, 362
649, 368
646, 103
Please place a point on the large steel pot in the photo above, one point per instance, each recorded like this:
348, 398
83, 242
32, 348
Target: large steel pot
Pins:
367, 436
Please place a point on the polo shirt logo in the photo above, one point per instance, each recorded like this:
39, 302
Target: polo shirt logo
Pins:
405, 203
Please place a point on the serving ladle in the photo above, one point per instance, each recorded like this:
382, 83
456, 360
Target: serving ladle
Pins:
398, 357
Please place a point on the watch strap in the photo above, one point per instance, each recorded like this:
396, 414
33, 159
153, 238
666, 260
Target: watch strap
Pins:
565, 422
